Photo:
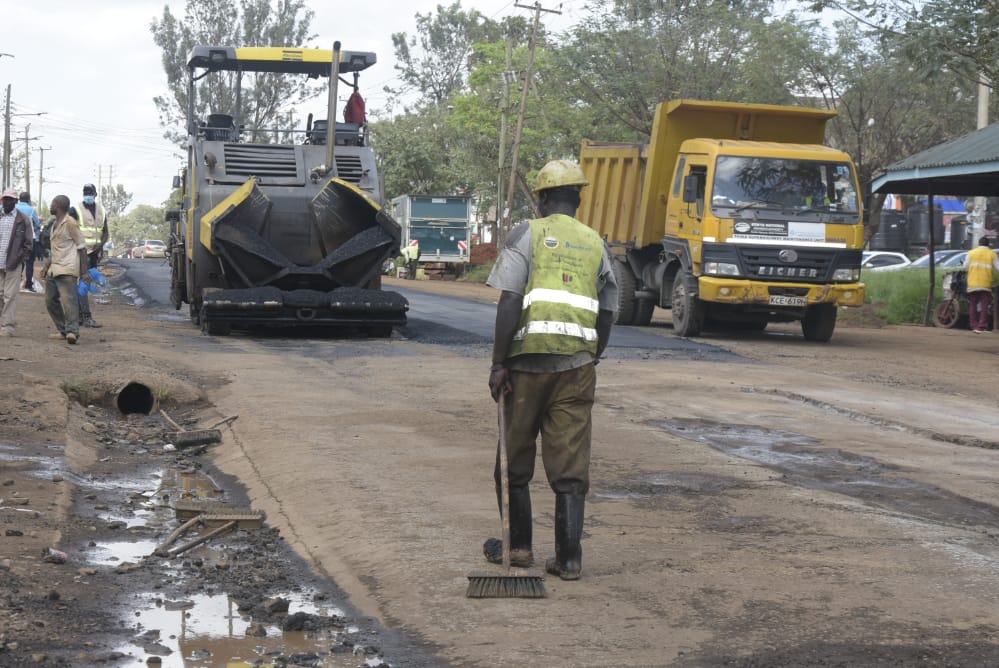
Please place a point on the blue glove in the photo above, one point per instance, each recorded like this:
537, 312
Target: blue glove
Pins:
97, 277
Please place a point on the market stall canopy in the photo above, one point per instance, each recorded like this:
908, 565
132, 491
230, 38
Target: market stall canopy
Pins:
967, 166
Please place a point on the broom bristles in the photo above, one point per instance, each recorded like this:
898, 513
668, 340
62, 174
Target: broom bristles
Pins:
483, 585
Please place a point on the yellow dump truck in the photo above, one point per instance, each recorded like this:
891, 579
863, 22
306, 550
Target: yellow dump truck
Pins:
733, 216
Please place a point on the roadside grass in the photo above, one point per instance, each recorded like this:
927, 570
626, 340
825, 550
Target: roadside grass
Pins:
77, 390
478, 273
899, 297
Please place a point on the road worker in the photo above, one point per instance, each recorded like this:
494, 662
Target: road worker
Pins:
93, 222
411, 254
980, 264
553, 322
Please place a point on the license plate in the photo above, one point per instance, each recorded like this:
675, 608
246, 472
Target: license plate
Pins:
787, 300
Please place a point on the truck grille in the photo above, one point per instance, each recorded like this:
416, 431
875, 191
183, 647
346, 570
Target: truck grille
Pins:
261, 160
782, 263
348, 168
810, 264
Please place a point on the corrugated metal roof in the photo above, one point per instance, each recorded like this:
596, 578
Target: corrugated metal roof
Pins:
966, 166
980, 146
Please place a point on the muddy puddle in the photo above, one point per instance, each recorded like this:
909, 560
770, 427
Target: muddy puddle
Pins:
212, 630
228, 601
805, 462
34, 465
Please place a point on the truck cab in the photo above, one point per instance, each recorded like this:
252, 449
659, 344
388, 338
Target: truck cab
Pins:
733, 216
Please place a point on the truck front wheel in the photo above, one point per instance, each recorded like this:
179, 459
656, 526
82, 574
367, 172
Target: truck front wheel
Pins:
819, 322
688, 311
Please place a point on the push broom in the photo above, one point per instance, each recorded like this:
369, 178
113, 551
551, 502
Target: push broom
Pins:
519, 583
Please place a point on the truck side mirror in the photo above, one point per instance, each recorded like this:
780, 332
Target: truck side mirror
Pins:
176, 181
691, 188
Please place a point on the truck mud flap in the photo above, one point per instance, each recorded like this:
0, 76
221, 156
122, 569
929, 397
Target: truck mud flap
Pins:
271, 307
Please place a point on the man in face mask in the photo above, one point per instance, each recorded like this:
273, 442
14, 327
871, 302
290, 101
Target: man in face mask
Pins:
16, 240
93, 221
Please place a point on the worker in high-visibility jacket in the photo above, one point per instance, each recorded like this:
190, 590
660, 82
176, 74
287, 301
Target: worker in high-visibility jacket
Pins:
981, 264
93, 222
411, 254
553, 321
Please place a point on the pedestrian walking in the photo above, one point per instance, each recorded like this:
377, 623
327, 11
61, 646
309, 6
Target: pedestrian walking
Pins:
67, 261
981, 264
93, 222
553, 322
24, 206
15, 246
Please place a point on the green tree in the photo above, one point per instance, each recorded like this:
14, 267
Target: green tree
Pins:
956, 36
228, 23
626, 56
434, 63
414, 154
115, 199
142, 222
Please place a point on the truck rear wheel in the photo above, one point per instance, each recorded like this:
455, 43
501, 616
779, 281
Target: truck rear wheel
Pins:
688, 311
819, 322
626, 301
644, 308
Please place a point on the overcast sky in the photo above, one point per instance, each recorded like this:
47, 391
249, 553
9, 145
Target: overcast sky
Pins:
93, 69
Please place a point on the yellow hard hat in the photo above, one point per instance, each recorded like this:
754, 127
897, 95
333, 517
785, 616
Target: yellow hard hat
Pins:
560, 173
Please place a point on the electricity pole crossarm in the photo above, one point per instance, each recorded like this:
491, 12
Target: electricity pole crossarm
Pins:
518, 132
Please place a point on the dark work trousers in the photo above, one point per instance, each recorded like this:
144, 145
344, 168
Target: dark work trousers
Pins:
978, 308
84, 299
61, 302
29, 266
557, 406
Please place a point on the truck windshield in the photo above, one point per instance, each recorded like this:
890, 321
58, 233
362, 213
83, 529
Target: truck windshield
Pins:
780, 184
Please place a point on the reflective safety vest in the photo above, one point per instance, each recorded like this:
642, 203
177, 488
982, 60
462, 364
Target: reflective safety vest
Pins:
91, 225
559, 315
980, 268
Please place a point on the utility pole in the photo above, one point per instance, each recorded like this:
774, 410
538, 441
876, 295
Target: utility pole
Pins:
980, 213
508, 76
518, 133
41, 178
6, 140
27, 158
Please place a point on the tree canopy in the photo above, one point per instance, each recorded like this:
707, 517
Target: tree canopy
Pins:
230, 23
902, 77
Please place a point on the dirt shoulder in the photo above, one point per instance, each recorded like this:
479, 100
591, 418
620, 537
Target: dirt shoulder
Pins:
87, 493
371, 459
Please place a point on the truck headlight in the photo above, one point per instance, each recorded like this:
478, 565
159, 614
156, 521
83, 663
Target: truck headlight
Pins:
721, 269
846, 275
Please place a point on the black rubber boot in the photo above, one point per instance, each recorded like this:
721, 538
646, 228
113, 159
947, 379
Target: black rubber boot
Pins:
568, 560
521, 531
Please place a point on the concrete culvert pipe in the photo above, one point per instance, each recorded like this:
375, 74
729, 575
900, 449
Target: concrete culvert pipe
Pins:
135, 397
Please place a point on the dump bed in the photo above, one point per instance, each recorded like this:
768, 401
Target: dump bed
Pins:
630, 183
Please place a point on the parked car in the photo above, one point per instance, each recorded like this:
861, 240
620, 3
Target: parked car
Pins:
150, 248
939, 257
882, 260
955, 261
